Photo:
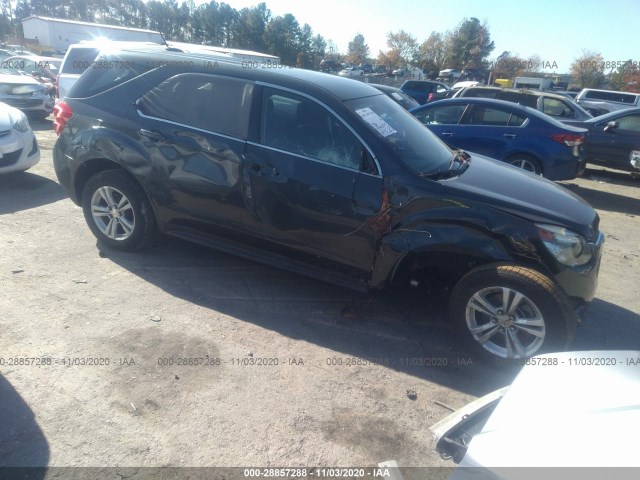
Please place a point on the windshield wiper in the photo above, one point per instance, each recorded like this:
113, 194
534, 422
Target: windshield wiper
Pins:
459, 163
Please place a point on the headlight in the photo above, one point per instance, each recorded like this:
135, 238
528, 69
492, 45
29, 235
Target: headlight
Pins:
22, 125
567, 247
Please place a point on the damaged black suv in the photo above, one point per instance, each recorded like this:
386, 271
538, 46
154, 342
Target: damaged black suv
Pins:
327, 177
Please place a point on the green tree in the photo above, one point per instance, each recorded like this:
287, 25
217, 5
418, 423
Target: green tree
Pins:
471, 44
358, 50
252, 27
434, 53
282, 38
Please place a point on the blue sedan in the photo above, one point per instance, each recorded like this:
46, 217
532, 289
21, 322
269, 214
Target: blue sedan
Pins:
518, 135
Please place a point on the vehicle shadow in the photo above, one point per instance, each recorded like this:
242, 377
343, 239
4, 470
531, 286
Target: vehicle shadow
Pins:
22, 442
24, 190
406, 331
611, 202
41, 125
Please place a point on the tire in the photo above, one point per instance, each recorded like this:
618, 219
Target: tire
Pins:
478, 303
527, 163
118, 211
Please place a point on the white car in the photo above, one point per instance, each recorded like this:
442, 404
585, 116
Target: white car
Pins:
568, 409
351, 72
19, 148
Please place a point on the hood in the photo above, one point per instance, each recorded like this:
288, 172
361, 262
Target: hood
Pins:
8, 117
523, 194
580, 412
17, 79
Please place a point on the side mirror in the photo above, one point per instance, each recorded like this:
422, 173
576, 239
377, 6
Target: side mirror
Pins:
611, 126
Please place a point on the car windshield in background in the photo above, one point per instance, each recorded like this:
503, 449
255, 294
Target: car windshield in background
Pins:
414, 144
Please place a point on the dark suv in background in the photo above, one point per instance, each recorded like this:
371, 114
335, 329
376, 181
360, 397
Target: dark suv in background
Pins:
327, 177
419, 90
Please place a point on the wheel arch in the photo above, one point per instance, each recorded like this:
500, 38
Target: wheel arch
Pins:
88, 169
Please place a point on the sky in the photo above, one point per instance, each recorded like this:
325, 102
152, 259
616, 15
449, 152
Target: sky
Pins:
557, 31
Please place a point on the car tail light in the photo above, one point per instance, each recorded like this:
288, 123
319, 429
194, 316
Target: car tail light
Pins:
570, 140
62, 113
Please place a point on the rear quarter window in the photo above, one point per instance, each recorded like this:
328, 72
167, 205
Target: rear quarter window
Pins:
106, 73
209, 102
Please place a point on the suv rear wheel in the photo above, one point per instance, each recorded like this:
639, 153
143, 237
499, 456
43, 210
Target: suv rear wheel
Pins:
117, 211
507, 311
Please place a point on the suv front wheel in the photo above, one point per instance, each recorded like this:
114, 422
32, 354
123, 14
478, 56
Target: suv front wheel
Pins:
507, 311
117, 210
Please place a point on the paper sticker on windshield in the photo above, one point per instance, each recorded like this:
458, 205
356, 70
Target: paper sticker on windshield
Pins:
397, 96
373, 119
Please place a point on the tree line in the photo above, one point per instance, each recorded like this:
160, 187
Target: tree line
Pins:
212, 23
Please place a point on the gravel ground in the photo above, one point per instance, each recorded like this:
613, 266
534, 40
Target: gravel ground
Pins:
290, 371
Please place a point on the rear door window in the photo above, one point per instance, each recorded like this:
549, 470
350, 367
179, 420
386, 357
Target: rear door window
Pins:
489, 116
445, 115
557, 108
630, 122
209, 102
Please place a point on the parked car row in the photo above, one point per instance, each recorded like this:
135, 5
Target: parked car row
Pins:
612, 140
329, 178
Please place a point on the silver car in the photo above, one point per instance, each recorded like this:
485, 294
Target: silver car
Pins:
26, 93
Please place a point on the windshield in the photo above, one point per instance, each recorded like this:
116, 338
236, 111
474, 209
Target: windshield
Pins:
411, 141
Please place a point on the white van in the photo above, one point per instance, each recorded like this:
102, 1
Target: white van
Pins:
78, 58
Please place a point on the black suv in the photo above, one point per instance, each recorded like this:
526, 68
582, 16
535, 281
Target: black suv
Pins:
327, 177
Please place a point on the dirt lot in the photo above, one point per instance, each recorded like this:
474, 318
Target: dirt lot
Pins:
291, 372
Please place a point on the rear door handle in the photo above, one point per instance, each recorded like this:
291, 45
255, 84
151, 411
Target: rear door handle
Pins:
447, 134
509, 135
153, 135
